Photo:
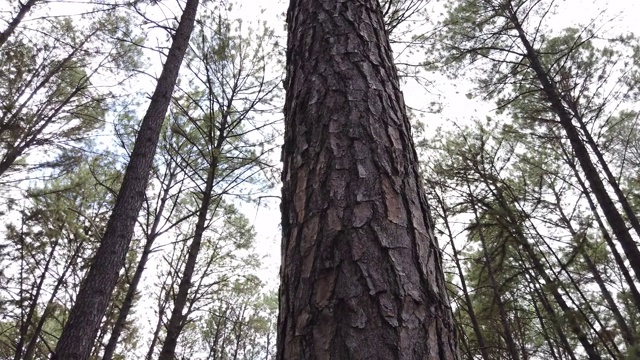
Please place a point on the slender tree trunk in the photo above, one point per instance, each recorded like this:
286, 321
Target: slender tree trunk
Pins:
609, 209
467, 297
627, 333
26, 322
631, 215
361, 274
556, 320
512, 224
635, 294
31, 346
93, 298
624, 328
497, 296
127, 303
178, 318
162, 306
545, 332
8, 31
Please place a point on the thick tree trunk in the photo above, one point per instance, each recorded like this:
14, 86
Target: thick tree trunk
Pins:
361, 274
93, 298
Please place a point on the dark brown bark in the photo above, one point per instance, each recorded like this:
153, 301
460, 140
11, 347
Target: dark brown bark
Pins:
24, 9
361, 276
93, 298
609, 209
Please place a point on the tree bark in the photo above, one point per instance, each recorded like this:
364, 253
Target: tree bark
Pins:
93, 298
361, 276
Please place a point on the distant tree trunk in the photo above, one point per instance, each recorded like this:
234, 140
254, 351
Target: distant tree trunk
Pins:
497, 296
622, 324
35, 298
178, 317
635, 294
555, 320
631, 215
463, 283
361, 274
545, 332
162, 307
24, 9
608, 207
93, 298
511, 222
127, 303
60, 281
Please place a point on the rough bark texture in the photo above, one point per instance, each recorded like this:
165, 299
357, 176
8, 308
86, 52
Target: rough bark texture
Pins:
361, 273
93, 298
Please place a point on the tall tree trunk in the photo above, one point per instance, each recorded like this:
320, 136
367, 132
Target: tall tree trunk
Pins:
463, 284
35, 298
627, 335
127, 303
631, 215
555, 319
93, 298
497, 296
361, 275
545, 332
635, 294
62, 278
178, 317
512, 223
162, 307
609, 209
